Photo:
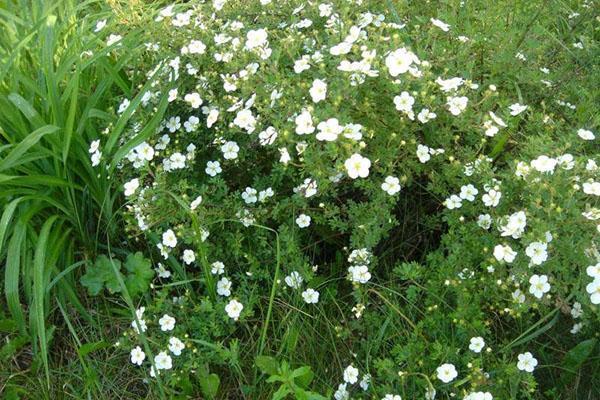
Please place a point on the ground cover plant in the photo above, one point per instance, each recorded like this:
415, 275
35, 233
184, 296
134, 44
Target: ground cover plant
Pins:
348, 199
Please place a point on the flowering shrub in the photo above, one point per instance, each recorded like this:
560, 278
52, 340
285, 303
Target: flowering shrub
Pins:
275, 156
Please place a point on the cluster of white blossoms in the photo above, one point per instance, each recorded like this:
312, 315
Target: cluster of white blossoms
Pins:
359, 269
239, 113
351, 376
163, 360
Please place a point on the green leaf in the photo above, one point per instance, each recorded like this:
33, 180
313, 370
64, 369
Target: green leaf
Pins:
575, 358
303, 376
87, 348
140, 274
209, 385
267, 364
101, 275
14, 158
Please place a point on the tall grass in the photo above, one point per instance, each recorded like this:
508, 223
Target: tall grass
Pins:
57, 209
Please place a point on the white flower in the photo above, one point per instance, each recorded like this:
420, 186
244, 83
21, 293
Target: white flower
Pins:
504, 253
592, 188
400, 61
516, 109
425, 115
476, 344
453, 202
167, 323
586, 134
196, 47
515, 226
318, 90
137, 355
230, 150
423, 153
329, 130
256, 38
169, 239
526, 362
446, 373
484, 221
537, 252
112, 39
351, 375
213, 168
456, 105
193, 99
310, 296
245, 120
479, 396
194, 204
234, 309
304, 123
468, 192
131, 187
539, 285
294, 280
224, 287
448, 85
544, 164
391, 185
440, 24
491, 198
404, 102
576, 310
267, 136
163, 361
249, 195
212, 117
163, 272
175, 346
593, 289
357, 166
593, 271
100, 25
359, 273
341, 393
217, 268
303, 220
189, 256
392, 397
302, 64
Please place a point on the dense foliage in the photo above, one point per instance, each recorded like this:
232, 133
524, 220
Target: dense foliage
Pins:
341, 199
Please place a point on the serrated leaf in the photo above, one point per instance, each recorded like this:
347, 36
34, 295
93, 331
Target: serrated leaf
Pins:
267, 364
140, 273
